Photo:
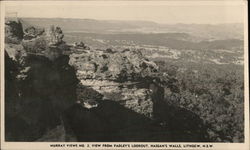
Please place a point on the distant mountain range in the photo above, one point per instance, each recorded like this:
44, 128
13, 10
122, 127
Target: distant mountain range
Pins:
198, 32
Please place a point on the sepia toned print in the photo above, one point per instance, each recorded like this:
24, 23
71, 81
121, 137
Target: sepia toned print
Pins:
125, 72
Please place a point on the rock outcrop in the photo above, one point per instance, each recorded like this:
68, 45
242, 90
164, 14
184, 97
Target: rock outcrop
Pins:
49, 43
39, 87
86, 95
119, 76
13, 32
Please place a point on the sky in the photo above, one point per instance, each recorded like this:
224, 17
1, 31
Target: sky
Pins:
166, 12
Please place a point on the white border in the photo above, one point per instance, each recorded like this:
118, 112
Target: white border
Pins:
46, 145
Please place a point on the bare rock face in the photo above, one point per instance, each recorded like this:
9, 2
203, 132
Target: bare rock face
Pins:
118, 76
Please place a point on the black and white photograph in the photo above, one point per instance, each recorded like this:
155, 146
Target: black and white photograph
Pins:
124, 71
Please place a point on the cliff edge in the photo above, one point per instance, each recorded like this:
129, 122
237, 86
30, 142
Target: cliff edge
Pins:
60, 92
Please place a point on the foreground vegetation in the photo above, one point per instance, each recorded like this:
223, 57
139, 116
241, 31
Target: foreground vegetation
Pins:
214, 92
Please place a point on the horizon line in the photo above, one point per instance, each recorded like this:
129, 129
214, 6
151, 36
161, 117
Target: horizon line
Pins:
160, 23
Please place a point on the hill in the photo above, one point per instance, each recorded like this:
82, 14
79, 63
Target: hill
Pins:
202, 31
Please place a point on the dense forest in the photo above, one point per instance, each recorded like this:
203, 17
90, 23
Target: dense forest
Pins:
214, 92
